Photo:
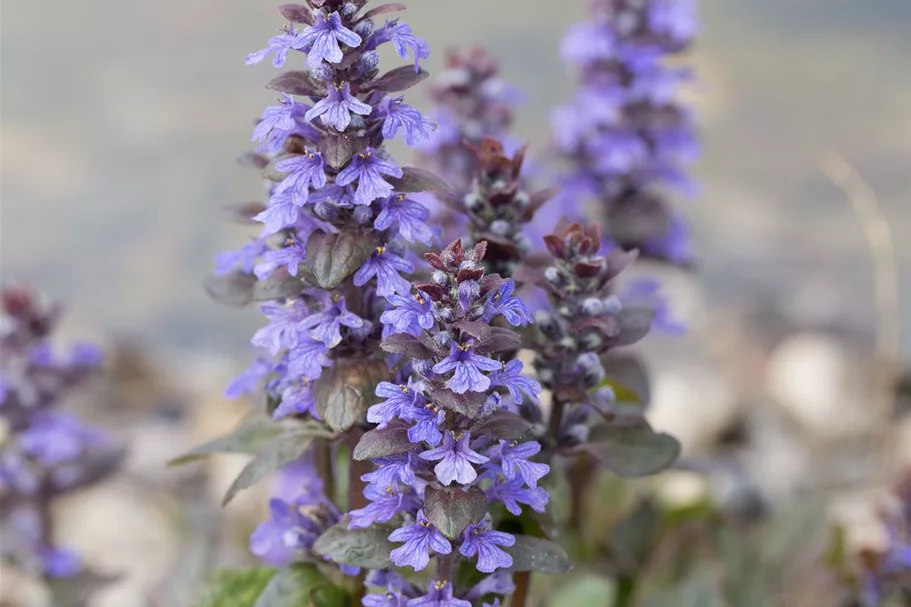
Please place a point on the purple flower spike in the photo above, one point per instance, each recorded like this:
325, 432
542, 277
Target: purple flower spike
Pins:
367, 168
403, 39
280, 540
439, 594
326, 326
420, 539
385, 266
305, 171
280, 45
410, 315
427, 427
400, 115
321, 41
335, 110
308, 358
484, 542
512, 493
456, 459
283, 211
281, 332
503, 303
392, 598
391, 470
519, 386
385, 503
397, 399
409, 217
282, 119
290, 256
517, 456
467, 366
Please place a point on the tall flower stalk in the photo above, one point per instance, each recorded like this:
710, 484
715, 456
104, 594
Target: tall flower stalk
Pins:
333, 245
575, 359
44, 452
451, 449
471, 101
626, 134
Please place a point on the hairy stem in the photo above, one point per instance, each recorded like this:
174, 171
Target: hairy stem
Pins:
446, 567
581, 475
523, 583
357, 500
323, 457
556, 419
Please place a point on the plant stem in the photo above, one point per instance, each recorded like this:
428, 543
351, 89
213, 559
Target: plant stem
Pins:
626, 591
581, 475
357, 500
323, 456
523, 583
556, 419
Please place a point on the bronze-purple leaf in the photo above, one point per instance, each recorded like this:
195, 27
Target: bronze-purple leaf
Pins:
391, 440
382, 9
297, 82
244, 212
234, 289
499, 340
406, 345
344, 392
475, 328
334, 257
634, 325
297, 13
414, 179
502, 425
467, 404
253, 160
451, 510
337, 149
398, 79
632, 450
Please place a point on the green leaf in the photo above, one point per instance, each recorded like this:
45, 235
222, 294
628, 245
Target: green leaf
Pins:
451, 510
301, 586
391, 440
236, 588
467, 404
632, 451
398, 79
695, 591
502, 425
406, 345
252, 434
588, 590
414, 179
234, 289
538, 554
279, 285
633, 537
334, 257
337, 149
297, 82
282, 450
628, 377
344, 392
76, 591
367, 548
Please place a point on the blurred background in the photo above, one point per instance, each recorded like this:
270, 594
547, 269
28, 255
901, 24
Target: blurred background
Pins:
121, 122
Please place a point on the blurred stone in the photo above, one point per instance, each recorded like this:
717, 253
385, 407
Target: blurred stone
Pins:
679, 489
121, 529
20, 590
692, 402
820, 382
